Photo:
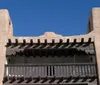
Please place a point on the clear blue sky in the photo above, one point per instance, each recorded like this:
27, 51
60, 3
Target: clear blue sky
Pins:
34, 17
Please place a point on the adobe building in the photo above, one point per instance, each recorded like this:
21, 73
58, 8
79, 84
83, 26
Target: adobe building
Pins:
50, 58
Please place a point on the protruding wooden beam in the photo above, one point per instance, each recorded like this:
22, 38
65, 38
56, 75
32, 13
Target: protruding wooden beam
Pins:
44, 80
82, 40
5, 79
75, 40
53, 41
28, 80
21, 79
92, 79
76, 79
60, 80
37, 79
12, 80
85, 79
38, 41
60, 41
16, 42
45, 41
68, 79
89, 40
24, 42
52, 80
9, 42
31, 42
73, 43
87, 43
80, 43
67, 42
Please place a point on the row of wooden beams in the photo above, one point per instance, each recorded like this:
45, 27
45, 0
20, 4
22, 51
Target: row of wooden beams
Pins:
45, 41
53, 47
48, 47
50, 52
52, 79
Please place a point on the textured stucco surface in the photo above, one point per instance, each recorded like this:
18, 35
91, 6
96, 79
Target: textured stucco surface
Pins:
4, 34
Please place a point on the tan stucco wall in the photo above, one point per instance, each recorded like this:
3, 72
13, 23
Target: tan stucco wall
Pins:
96, 32
4, 34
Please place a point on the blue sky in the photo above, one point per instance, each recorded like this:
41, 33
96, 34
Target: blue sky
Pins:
34, 17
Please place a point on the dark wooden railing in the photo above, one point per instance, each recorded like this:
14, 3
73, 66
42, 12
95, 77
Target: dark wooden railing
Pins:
58, 70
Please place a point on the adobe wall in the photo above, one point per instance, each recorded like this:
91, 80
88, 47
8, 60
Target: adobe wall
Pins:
5, 32
95, 31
